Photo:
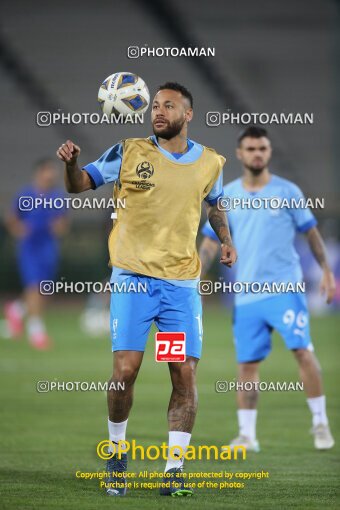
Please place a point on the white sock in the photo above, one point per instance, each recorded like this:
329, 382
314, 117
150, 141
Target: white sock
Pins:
181, 439
247, 422
35, 326
317, 406
117, 431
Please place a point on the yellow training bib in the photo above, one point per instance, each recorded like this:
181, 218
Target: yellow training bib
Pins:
155, 234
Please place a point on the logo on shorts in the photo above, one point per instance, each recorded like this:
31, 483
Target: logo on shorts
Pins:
114, 328
145, 170
170, 347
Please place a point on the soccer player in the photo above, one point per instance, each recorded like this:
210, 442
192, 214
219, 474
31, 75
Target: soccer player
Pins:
37, 230
264, 239
164, 179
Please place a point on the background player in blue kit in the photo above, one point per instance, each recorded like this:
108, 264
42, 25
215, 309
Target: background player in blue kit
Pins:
37, 231
264, 239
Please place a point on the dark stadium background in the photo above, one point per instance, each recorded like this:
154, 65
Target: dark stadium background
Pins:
270, 57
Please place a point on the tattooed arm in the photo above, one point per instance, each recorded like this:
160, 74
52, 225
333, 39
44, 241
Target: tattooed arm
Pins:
219, 223
316, 244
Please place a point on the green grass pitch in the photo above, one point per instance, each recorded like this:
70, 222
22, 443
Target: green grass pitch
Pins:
45, 438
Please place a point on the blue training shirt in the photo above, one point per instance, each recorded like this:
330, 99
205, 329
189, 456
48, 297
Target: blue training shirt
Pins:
38, 220
264, 237
107, 169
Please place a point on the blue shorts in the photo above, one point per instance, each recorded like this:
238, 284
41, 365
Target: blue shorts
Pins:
171, 307
37, 264
254, 322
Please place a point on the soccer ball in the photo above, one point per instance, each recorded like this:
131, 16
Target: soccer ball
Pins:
123, 93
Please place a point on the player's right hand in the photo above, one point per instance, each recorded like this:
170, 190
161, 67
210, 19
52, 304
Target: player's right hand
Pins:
68, 152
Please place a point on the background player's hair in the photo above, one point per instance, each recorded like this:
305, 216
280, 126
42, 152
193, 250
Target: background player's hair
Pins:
42, 162
171, 85
252, 132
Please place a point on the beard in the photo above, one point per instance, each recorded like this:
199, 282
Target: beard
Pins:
255, 170
170, 130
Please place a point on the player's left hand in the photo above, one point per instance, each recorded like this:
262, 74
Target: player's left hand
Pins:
228, 255
327, 285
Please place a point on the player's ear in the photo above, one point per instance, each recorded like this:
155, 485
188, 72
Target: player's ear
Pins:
238, 153
189, 114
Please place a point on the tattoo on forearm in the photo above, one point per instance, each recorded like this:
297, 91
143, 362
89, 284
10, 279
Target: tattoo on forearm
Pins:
219, 223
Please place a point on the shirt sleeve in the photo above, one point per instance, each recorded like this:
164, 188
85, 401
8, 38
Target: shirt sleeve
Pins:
216, 191
206, 230
303, 217
107, 167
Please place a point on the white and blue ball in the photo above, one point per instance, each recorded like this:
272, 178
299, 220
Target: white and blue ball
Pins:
123, 93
